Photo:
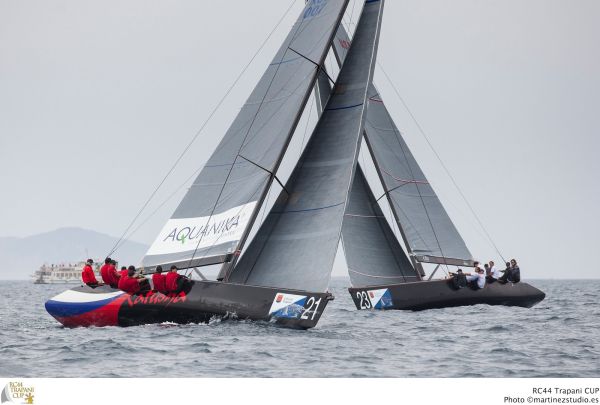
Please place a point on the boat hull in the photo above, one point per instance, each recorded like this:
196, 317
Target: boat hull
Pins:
423, 295
105, 306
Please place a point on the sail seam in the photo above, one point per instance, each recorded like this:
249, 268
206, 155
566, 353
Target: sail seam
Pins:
363, 216
345, 107
309, 209
375, 276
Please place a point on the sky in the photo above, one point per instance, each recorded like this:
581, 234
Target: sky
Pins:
97, 100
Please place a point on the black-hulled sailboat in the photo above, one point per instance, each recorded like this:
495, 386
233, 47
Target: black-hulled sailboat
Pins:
383, 275
284, 273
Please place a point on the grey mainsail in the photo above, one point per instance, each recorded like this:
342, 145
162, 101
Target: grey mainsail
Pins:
296, 245
427, 229
372, 251
215, 216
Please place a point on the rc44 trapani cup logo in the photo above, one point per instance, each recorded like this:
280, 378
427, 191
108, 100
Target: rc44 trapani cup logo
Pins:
15, 392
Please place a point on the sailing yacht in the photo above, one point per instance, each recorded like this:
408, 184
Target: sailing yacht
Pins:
383, 274
284, 273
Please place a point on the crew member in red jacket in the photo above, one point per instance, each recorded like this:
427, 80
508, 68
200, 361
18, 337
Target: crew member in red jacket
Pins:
159, 281
176, 283
109, 273
88, 276
132, 284
122, 272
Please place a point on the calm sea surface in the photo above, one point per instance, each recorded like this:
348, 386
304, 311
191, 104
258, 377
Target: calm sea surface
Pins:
560, 337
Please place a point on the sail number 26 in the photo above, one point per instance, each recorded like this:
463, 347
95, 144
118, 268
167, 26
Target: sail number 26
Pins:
310, 308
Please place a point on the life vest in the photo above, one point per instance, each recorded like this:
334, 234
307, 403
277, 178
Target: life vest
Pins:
106, 273
171, 281
129, 285
87, 275
159, 281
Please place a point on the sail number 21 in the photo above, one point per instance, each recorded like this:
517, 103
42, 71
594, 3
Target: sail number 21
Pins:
310, 308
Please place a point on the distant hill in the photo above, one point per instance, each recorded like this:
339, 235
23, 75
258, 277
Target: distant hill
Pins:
20, 257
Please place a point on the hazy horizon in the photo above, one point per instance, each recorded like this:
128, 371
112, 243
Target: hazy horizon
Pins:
98, 99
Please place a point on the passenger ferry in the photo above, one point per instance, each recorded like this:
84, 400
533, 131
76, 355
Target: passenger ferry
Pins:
64, 273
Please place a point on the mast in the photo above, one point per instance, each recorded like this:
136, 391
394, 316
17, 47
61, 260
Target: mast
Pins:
296, 245
227, 268
427, 230
214, 217
311, 8
373, 254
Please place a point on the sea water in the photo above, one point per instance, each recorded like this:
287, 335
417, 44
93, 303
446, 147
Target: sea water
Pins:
559, 337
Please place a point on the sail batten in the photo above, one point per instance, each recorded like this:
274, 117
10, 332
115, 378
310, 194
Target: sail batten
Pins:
429, 233
296, 245
226, 196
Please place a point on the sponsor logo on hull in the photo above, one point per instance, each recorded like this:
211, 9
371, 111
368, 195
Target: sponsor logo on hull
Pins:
291, 306
381, 299
154, 299
287, 306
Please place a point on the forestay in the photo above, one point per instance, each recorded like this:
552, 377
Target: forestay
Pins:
426, 227
222, 203
296, 245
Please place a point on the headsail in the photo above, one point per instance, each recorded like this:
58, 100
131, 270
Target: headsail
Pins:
426, 227
221, 205
373, 254
296, 245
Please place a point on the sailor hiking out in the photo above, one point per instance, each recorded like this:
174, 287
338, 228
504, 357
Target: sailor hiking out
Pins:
159, 281
109, 273
88, 276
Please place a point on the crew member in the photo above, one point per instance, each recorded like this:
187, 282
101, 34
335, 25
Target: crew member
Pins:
512, 273
88, 276
478, 278
132, 284
122, 272
515, 274
159, 281
494, 273
458, 280
109, 273
175, 283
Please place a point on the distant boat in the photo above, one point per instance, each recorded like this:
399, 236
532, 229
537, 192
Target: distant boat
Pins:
65, 273
284, 273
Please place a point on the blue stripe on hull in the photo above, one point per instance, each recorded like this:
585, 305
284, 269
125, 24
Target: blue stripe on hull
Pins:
65, 309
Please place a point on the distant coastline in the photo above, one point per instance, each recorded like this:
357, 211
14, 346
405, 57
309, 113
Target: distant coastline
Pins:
20, 257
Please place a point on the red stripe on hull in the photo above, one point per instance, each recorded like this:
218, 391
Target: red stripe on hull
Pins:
107, 315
